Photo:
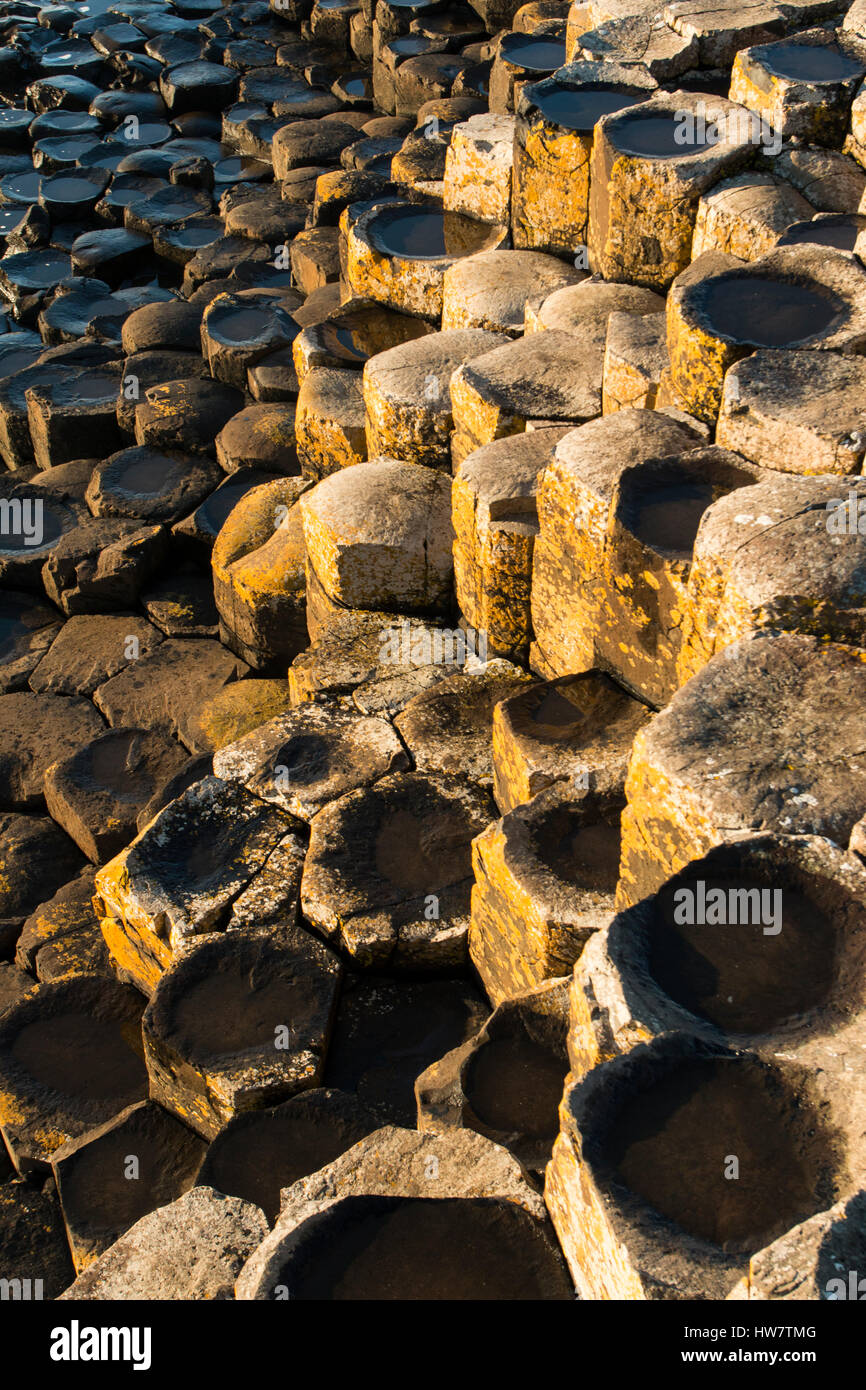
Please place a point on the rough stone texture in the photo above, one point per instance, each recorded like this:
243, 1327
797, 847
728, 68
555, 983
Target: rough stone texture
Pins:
539, 377
701, 352
495, 518
192, 1249
258, 574
153, 904
70, 1058
746, 215
304, 759
446, 728
642, 210
800, 774
379, 536
330, 422
406, 393
35, 731
506, 1082
96, 793
552, 160
798, 411
100, 1193
156, 692
478, 168
387, 1162
492, 289
576, 729
239, 1021
388, 872
574, 502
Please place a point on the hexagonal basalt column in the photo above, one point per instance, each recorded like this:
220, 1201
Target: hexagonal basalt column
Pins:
262, 1151
796, 411
522, 58
238, 330
745, 215
553, 139
719, 311
183, 873
310, 756
388, 873
712, 766
407, 398
495, 519
650, 166
379, 536
576, 729
70, 1059
638, 591
418, 1193
351, 334
258, 575
240, 1021
397, 254
478, 168
495, 289
784, 555
329, 422
545, 876
574, 502
683, 1158
506, 1082
761, 940
114, 1175
543, 377
801, 86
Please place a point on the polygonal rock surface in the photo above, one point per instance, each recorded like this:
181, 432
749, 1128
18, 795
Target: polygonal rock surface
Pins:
447, 727
506, 1082
192, 1249
70, 1058
406, 394
545, 877
799, 774
388, 872
239, 1021
379, 536
117, 1173
303, 759
181, 875
97, 792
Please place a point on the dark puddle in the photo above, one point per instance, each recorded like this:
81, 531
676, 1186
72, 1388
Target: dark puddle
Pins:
579, 108
416, 234
766, 312
536, 53
801, 62
654, 136
839, 231
667, 518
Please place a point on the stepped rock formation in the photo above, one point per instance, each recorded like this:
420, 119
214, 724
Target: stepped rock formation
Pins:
432, 649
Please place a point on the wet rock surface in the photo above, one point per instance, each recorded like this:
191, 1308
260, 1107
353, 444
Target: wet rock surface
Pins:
432, 543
